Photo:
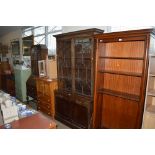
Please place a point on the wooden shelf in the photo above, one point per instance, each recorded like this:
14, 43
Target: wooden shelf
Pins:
121, 73
83, 57
134, 58
64, 57
152, 74
119, 94
152, 55
151, 108
151, 93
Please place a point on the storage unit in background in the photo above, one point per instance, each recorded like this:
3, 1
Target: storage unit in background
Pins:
149, 114
21, 76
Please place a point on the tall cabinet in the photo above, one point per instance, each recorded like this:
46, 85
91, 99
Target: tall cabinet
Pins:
75, 68
38, 52
120, 78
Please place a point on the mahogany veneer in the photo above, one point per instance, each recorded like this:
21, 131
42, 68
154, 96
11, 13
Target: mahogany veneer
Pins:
121, 78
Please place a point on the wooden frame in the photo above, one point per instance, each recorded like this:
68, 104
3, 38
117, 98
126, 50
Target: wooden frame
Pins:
106, 112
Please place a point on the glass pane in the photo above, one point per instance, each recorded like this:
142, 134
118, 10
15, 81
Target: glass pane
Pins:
27, 33
52, 44
39, 30
54, 28
39, 40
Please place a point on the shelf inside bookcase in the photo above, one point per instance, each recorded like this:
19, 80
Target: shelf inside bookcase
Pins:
114, 57
151, 93
119, 94
150, 108
121, 73
152, 74
152, 55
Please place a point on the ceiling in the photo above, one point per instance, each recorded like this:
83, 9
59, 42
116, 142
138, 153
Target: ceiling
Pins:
6, 29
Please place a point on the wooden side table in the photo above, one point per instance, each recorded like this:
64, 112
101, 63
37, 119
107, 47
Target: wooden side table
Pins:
36, 121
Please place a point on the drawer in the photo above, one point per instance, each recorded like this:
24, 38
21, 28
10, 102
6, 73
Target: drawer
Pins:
44, 110
44, 104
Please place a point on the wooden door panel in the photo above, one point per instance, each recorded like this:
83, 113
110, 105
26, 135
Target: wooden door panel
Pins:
118, 112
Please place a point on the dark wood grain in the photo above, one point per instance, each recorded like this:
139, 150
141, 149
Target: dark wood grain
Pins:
75, 61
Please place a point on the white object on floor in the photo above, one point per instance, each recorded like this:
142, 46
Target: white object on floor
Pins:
10, 114
8, 103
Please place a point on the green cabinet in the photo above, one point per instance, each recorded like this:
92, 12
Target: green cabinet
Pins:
21, 76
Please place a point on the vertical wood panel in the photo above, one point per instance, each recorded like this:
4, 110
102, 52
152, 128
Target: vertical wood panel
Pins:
118, 112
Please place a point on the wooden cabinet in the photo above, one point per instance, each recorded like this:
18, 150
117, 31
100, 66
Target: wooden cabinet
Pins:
7, 81
120, 78
75, 68
45, 95
38, 52
149, 114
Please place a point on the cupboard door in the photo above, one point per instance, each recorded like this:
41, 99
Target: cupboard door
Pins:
64, 65
80, 115
63, 108
83, 66
118, 113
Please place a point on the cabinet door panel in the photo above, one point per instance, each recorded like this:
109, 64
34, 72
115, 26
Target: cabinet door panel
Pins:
80, 115
118, 112
63, 108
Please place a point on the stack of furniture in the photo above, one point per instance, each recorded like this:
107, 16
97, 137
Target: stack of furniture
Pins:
38, 52
75, 64
45, 95
121, 77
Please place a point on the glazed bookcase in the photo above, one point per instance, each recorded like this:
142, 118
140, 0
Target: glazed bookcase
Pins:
75, 68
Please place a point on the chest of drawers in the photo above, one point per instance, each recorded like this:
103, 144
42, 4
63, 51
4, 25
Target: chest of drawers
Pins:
45, 95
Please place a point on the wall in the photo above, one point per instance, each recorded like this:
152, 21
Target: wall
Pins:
66, 29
